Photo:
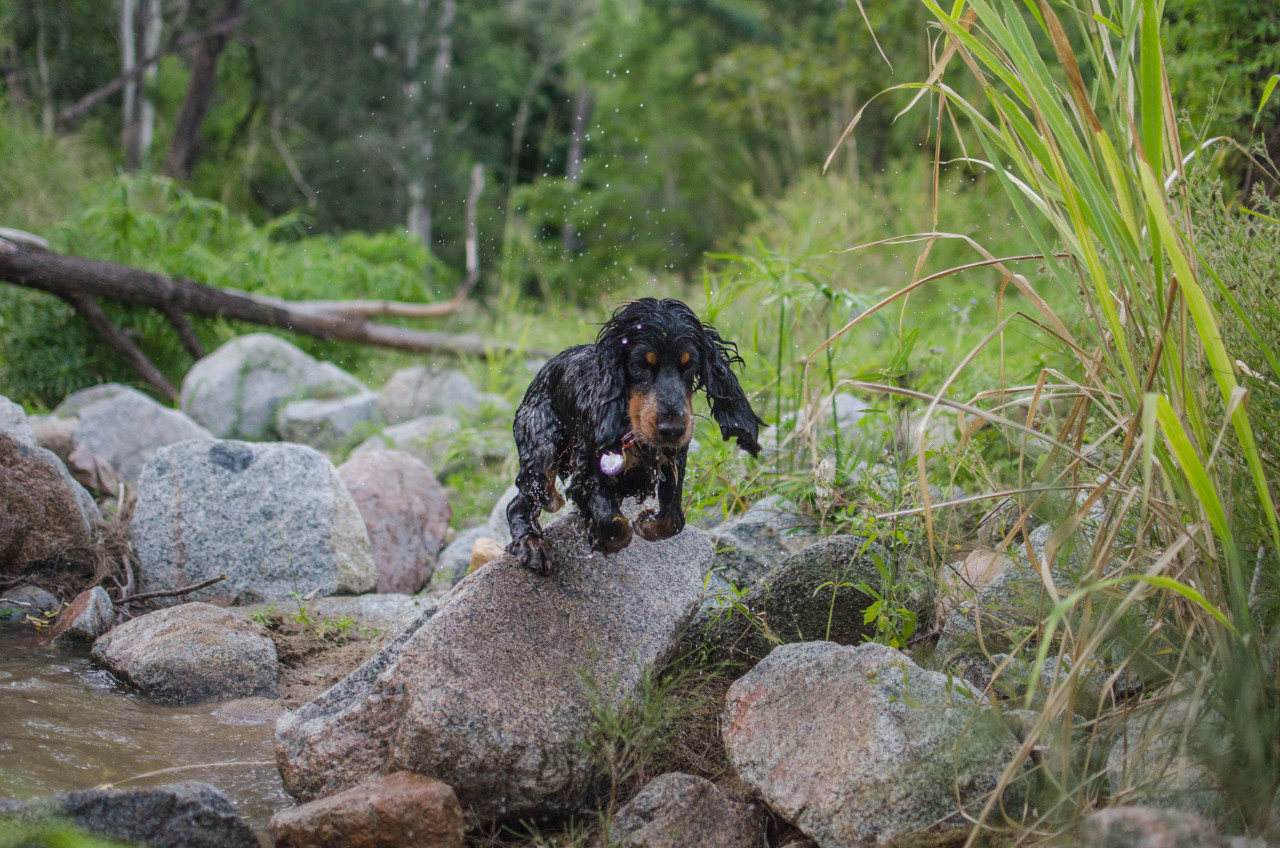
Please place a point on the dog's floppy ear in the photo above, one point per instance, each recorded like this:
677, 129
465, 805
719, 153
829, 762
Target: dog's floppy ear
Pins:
729, 405
612, 421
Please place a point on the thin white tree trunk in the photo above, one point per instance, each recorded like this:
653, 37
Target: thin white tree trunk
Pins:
152, 27
128, 61
46, 76
424, 133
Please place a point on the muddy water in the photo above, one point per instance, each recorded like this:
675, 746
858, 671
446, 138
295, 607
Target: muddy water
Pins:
66, 725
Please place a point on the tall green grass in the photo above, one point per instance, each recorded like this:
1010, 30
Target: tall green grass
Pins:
1157, 442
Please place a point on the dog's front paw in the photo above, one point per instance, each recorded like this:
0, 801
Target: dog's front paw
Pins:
653, 527
532, 553
611, 536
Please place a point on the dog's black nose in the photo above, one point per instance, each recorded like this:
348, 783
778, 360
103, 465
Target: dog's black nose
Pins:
671, 430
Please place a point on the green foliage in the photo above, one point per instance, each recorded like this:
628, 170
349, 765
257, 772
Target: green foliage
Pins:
1221, 56
50, 834
45, 180
1077, 131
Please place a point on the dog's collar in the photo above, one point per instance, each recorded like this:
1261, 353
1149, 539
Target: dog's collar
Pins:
614, 462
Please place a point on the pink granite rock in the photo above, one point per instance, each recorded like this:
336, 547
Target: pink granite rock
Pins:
406, 512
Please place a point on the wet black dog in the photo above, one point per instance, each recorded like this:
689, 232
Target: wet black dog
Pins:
615, 418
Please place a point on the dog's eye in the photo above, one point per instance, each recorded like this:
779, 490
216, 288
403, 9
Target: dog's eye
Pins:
644, 360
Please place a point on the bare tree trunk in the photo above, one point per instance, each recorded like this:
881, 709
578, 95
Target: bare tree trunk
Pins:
473, 238
152, 25
42, 66
424, 133
129, 61
416, 222
195, 106
11, 62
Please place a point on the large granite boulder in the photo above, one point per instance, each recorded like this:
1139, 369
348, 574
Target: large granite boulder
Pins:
859, 746
125, 428
274, 518
424, 390
406, 512
385, 811
493, 692
192, 654
45, 515
236, 391
680, 810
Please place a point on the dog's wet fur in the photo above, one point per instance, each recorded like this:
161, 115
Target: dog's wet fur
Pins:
629, 393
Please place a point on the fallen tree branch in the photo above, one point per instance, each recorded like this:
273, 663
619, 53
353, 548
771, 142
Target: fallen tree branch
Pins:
80, 280
172, 593
92, 312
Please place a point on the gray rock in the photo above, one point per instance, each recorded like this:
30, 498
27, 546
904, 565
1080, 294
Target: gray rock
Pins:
794, 603
937, 433
192, 654
750, 544
328, 424
1148, 827
849, 411
74, 402
44, 513
1153, 756
87, 468
405, 511
499, 527
429, 439
182, 815
859, 746
236, 390
275, 518
13, 423
384, 612
86, 618
1003, 595
422, 390
489, 694
22, 601
126, 428
680, 810
455, 560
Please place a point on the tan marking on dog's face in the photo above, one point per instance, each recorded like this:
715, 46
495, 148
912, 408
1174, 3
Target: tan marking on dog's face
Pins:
643, 411
684, 358
651, 358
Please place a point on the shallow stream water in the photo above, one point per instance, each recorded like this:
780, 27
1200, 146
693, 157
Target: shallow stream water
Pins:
66, 725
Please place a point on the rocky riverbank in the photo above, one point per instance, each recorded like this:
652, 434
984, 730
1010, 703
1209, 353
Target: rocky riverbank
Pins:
429, 688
